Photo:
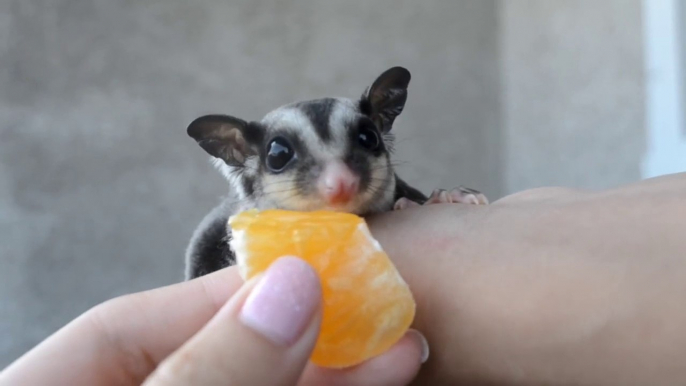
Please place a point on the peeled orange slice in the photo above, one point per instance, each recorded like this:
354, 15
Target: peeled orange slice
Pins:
367, 306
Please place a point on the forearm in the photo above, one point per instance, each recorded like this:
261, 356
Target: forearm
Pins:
587, 288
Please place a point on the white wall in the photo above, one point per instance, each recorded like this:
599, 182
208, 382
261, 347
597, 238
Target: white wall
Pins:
664, 45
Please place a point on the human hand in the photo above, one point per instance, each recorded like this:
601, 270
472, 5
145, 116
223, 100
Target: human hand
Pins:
214, 330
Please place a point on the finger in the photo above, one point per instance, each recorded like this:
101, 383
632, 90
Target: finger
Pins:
397, 366
263, 336
107, 346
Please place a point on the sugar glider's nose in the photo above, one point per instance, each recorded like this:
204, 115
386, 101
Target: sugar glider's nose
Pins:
338, 184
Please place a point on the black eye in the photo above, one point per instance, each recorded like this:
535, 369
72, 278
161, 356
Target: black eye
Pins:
279, 154
368, 138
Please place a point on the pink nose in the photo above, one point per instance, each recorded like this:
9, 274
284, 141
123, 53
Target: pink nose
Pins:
338, 184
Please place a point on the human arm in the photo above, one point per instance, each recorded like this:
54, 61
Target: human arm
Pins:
549, 286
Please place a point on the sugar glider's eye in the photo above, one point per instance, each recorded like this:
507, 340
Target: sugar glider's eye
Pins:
368, 138
279, 154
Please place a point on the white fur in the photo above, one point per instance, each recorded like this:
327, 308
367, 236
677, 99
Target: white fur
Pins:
344, 112
288, 117
233, 174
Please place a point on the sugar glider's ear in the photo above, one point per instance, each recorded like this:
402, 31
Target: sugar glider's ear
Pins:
385, 99
225, 137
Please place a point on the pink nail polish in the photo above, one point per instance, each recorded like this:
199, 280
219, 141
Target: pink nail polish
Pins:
424, 344
281, 305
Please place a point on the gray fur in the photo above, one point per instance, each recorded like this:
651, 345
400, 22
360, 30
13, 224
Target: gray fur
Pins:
208, 249
320, 130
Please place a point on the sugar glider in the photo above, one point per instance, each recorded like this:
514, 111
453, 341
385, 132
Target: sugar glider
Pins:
329, 153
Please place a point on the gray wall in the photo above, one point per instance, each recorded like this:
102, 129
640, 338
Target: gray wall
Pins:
573, 93
100, 188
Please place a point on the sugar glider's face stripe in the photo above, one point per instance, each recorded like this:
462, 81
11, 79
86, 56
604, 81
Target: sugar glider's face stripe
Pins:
248, 183
319, 113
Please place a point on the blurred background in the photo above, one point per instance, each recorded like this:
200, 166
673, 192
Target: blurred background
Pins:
100, 188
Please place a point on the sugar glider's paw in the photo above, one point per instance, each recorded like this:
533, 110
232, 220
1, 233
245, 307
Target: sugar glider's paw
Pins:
459, 195
404, 203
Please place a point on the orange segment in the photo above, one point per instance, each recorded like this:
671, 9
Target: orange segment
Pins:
367, 304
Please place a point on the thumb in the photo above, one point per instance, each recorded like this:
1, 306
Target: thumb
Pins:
263, 335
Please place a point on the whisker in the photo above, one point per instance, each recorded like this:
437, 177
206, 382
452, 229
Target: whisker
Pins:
281, 191
407, 138
291, 196
237, 201
277, 183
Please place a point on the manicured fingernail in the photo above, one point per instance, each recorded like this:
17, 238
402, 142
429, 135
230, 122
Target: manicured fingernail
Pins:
282, 304
423, 342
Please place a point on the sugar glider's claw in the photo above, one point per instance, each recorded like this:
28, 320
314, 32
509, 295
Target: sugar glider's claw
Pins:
459, 195
404, 203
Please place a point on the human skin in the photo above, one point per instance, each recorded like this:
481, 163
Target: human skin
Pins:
549, 286
215, 330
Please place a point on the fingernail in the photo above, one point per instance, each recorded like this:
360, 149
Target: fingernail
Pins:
283, 302
423, 343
